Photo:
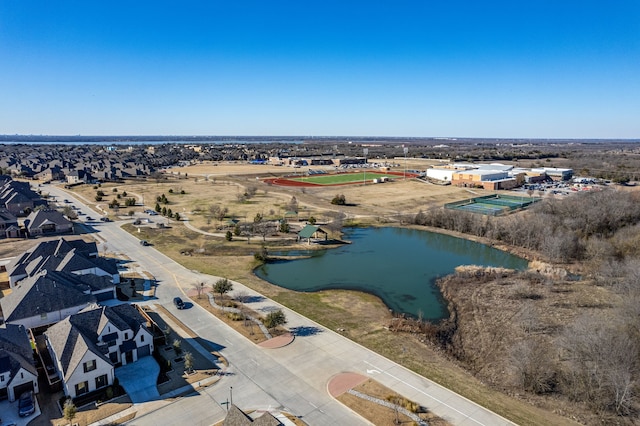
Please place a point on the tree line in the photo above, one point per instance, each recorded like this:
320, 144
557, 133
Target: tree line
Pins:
544, 335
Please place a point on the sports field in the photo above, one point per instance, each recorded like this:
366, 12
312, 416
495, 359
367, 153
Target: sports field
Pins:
492, 205
338, 179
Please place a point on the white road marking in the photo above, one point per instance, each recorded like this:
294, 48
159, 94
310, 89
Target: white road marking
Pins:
426, 394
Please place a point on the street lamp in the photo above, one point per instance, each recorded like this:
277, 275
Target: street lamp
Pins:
405, 149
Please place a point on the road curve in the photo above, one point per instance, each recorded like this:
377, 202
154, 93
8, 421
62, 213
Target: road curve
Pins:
293, 378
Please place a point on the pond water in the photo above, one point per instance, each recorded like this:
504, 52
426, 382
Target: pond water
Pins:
398, 265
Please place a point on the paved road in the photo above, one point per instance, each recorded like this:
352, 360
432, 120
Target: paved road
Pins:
293, 378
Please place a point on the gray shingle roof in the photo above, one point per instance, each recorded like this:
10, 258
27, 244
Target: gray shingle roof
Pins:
42, 293
70, 346
60, 255
41, 217
77, 334
49, 249
15, 350
237, 417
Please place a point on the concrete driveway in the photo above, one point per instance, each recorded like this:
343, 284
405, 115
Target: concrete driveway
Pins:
9, 413
139, 379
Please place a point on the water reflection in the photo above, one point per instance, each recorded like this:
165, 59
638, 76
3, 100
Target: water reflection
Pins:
398, 265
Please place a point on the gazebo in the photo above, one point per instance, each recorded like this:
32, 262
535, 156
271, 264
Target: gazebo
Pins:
311, 231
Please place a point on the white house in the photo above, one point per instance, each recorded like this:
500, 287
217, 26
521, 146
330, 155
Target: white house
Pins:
18, 372
87, 346
44, 299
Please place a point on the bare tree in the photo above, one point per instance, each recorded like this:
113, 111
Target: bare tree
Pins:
199, 288
534, 363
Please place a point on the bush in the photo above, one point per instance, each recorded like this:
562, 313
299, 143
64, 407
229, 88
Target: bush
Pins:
339, 200
235, 316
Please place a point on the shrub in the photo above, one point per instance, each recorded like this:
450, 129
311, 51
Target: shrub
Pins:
339, 200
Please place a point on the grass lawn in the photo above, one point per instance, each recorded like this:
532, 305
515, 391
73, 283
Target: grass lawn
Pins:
341, 178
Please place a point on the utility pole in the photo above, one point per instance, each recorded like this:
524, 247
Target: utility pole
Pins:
364, 171
405, 149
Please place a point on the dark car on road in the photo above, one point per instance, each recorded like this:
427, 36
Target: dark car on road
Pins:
178, 302
144, 243
26, 406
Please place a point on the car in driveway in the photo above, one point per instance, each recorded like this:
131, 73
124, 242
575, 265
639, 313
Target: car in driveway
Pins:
26, 405
178, 302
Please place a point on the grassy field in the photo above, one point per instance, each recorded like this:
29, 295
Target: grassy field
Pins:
343, 178
364, 318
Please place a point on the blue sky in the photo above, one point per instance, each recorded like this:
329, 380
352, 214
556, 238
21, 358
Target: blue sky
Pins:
539, 69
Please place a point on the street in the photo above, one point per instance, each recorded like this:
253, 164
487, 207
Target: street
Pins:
292, 378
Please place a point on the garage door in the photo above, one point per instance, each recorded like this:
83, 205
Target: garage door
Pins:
144, 351
20, 389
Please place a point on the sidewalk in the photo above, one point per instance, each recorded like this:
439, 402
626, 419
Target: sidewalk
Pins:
142, 408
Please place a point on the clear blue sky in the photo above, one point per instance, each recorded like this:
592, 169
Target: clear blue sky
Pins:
540, 69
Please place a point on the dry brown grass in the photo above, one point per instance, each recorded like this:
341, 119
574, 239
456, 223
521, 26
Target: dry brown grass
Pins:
363, 317
378, 414
226, 181
90, 413
248, 329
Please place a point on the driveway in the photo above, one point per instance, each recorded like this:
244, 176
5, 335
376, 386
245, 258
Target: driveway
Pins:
139, 379
9, 413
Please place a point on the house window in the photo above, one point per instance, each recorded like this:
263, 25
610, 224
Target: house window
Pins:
43, 315
142, 337
89, 365
126, 336
82, 388
101, 381
1, 377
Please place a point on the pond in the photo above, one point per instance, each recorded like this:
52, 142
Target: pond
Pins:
398, 265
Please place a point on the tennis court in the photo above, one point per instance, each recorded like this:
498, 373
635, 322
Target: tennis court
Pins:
492, 205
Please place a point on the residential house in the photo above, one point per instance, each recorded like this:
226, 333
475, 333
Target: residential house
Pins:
73, 256
237, 417
53, 172
18, 197
18, 372
8, 224
77, 176
44, 299
46, 222
88, 345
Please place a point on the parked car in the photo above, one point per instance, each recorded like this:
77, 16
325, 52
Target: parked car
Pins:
89, 218
178, 302
26, 405
144, 242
